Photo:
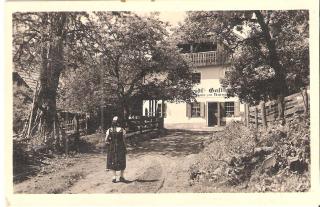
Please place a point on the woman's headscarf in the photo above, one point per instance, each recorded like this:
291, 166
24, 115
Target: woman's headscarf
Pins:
115, 122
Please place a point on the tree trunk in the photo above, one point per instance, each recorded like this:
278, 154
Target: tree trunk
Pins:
281, 88
125, 112
50, 70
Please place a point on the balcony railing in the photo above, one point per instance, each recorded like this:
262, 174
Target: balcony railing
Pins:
202, 58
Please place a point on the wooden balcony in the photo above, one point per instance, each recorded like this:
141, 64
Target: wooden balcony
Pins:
202, 58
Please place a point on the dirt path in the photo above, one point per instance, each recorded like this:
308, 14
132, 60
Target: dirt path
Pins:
157, 165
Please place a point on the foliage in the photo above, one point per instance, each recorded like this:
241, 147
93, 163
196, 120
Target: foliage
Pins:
95, 59
269, 49
129, 59
274, 160
22, 98
212, 164
80, 90
32, 30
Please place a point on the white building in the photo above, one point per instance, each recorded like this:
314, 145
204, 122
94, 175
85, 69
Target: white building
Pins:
212, 108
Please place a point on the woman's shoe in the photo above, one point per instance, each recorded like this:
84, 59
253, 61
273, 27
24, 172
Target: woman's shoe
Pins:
121, 179
114, 180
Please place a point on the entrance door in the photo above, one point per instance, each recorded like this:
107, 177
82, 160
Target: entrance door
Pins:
212, 113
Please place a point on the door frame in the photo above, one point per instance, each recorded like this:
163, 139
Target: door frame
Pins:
207, 111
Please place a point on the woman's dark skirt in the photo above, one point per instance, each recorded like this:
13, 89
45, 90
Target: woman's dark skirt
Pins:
116, 152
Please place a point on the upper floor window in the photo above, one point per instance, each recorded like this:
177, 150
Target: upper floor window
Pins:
184, 48
204, 47
197, 47
196, 77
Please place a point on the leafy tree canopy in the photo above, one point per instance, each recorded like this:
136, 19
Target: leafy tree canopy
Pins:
270, 49
128, 57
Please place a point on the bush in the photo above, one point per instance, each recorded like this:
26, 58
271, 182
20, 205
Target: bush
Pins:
273, 160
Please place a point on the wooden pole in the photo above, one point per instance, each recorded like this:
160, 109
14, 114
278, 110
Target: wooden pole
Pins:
32, 109
219, 115
256, 117
141, 124
247, 115
54, 132
162, 108
153, 108
263, 115
67, 137
280, 101
305, 101
86, 123
102, 119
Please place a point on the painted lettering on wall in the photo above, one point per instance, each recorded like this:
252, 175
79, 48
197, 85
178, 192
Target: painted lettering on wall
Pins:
211, 92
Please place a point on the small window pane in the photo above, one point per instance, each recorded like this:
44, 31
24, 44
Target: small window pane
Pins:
195, 109
229, 108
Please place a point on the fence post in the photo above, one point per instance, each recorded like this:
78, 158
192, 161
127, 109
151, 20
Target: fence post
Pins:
247, 115
161, 122
256, 117
219, 115
305, 101
263, 114
141, 122
67, 137
87, 120
67, 145
281, 106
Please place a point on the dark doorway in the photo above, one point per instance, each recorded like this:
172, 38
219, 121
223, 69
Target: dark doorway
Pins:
212, 113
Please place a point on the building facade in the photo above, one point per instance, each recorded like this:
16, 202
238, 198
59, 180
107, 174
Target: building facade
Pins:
212, 107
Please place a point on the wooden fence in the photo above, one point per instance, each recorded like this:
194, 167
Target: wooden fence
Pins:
143, 124
69, 126
267, 112
132, 126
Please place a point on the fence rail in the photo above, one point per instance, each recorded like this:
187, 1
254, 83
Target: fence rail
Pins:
267, 112
133, 125
142, 124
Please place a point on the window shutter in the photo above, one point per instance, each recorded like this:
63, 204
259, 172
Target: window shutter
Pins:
237, 108
222, 110
202, 109
188, 114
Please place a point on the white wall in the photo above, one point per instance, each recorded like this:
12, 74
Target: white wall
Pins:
176, 113
210, 79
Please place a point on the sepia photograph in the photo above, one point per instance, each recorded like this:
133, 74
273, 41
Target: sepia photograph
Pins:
138, 102
193, 101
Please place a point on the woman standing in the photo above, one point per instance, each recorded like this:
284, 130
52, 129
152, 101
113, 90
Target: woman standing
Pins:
116, 153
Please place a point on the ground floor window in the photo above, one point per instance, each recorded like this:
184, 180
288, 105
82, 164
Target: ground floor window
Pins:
229, 109
195, 109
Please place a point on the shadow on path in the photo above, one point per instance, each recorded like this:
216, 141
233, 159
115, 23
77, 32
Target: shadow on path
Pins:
140, 181
173, 143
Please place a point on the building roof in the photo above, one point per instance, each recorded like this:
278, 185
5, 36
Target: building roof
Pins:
29, 77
